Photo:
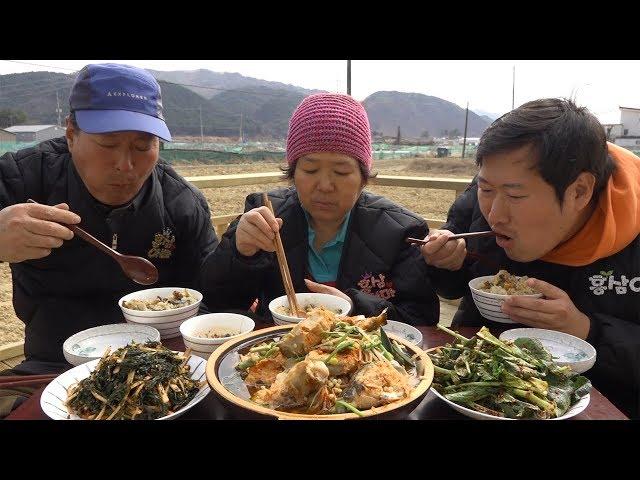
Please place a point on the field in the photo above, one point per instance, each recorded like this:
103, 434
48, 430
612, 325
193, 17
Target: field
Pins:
228, 200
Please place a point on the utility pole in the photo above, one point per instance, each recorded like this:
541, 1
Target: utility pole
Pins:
201, 132
513, 89
241, 139
348, 77
58, 110
466, 118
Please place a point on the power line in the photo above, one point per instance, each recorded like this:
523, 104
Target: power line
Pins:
169, 82
224, 89
31, 93
40, 65
46, 84
58, 109
466, 118
169, 106
44, 81
513, 89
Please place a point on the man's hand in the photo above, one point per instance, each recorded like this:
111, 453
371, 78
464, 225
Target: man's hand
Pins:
555, 312
320, 288
257, 231
30, 230
441, 253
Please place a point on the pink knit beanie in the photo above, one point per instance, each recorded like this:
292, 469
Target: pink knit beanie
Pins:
330, 122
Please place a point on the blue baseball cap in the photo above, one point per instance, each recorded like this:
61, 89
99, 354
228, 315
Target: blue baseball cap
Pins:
110, 97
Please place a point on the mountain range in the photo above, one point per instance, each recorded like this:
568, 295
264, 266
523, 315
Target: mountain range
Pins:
224, 104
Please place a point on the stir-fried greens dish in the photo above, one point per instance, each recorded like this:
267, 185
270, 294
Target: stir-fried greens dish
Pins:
328, 364
507, 379
139, 381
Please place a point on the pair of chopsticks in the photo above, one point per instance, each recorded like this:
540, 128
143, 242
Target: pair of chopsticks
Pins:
418, 241
13, 381
284, 266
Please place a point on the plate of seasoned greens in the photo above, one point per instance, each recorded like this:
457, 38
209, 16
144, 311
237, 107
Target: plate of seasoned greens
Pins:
484, 377
141, 381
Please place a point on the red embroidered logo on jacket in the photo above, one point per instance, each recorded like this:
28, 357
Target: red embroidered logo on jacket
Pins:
377, 285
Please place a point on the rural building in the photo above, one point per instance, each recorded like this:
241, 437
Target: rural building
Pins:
469, 141
613, 130
35, 133
627, 132
6, 136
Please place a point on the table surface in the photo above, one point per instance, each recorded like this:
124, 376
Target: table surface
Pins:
431, 407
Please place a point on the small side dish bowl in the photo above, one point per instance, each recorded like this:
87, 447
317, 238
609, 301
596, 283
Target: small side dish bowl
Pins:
204, 333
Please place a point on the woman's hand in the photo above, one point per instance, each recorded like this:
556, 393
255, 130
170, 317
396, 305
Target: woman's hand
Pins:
257, 231
320, 288
29, 230
554, 312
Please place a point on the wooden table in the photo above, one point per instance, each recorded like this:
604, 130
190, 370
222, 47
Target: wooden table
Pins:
212, 408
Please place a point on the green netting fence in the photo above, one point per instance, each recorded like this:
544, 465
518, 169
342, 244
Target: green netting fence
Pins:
385, 150
14, 146
236, 153
273, 151
220, 157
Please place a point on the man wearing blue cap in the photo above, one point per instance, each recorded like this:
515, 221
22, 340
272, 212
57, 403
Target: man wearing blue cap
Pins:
105, 175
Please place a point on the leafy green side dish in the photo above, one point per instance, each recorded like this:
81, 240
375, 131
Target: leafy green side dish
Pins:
507, 379
139, 381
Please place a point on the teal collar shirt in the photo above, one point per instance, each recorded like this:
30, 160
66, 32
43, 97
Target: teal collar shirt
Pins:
324, 264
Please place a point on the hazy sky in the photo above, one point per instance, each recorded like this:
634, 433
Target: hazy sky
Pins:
600, 85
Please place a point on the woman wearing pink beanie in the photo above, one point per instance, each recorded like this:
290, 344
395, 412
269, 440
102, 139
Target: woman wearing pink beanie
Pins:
338, 238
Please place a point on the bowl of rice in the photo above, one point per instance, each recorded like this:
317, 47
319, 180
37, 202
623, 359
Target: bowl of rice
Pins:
281, 312
204, 333
489, 292
162, 308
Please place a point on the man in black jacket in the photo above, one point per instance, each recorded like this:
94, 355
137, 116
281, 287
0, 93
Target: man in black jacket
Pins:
105, 175
565, 205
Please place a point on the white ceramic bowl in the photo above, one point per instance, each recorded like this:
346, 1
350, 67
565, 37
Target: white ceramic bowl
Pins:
489, 303
224, 322
304, 299
91, 343
565, 349
408, 332
166, 321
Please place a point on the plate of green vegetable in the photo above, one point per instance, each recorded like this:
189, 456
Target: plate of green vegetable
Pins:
484, 377
136, 382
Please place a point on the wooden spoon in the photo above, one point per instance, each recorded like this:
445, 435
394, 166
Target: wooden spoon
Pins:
138, 269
